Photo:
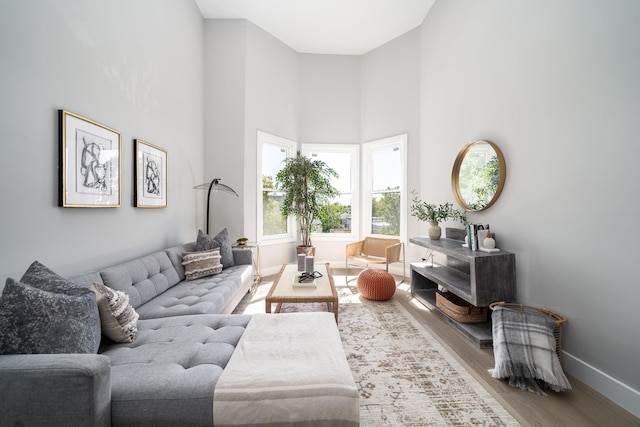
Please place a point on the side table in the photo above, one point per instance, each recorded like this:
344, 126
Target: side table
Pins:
254, 247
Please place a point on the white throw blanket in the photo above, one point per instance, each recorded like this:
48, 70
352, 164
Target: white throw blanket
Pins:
524, 348
287, 369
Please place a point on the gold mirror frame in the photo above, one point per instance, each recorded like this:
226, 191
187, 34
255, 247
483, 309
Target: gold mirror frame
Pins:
455, 176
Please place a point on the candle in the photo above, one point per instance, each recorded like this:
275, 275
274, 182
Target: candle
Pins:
301, 262
309, 264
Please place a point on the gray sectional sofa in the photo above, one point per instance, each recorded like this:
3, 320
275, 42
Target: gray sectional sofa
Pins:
165, 377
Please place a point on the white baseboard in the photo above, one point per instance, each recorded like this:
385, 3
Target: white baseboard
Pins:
616, 391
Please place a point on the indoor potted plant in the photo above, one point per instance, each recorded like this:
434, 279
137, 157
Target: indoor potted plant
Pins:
306, 185
433, 214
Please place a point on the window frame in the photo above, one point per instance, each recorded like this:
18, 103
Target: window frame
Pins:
290, 148
354, 149
368, 149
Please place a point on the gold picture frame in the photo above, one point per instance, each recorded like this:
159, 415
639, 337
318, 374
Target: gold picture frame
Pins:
151, 175
89, 163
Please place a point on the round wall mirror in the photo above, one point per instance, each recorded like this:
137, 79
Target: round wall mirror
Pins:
478, 175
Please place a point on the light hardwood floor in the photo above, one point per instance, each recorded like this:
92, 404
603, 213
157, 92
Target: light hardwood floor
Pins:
581, 406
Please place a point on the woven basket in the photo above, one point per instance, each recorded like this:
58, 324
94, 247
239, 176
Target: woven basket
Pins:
559, 318
459, 309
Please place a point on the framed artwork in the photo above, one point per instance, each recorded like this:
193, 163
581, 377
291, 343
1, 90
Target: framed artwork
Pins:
151, 176
89, 163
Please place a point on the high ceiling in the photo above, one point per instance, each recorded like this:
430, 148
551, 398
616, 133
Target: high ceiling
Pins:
342, 27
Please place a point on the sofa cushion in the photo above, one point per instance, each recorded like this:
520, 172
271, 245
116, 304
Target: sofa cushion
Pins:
36, 321
221, 240
186, 352
209, 295
118, 319
201, 264
143, 278
175, 256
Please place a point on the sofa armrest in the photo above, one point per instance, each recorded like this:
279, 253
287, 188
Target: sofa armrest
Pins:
55, 389
242, 256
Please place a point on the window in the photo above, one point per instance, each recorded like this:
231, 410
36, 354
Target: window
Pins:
272, 151
384, 186
340, 218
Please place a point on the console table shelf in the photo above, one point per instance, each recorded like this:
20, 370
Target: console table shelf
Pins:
479, 278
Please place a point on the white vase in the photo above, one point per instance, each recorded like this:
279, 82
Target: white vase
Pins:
489, 243
434, 231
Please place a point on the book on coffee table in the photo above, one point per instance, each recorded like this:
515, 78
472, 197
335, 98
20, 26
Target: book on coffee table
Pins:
304, 284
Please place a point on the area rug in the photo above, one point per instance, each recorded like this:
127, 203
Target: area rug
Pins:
404, 375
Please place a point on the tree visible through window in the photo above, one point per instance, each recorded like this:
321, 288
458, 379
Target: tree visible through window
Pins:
337, 216
273, 151
384, 163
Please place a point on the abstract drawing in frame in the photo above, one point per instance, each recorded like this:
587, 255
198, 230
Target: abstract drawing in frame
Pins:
151, 175
89, 163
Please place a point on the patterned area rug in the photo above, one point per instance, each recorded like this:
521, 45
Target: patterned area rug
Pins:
405, 376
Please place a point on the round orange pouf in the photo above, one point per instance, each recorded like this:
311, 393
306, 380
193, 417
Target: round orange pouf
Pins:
377, 285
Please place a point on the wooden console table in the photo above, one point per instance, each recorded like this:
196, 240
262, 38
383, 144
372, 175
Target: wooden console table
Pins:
479, 278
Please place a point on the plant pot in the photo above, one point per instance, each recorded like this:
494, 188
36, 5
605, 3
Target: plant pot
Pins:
307, 250
434, 231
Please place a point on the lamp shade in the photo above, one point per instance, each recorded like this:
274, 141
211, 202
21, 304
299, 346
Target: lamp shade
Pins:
214, 186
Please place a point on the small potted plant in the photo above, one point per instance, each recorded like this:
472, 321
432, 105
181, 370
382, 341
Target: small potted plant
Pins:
434, 214
242, 241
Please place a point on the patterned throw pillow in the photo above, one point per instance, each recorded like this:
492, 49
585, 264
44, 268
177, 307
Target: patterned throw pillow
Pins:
37, 321
118, 318
205, 242
201, 264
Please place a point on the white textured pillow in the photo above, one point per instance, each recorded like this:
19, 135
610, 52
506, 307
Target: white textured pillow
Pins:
201, 264
118, 318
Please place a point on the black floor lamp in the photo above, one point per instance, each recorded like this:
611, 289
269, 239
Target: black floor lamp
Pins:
215, 186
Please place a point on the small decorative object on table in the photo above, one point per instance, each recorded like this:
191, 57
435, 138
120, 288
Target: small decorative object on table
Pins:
242, 241
434, 214
301, 262
309, 264
489, 244
306, 279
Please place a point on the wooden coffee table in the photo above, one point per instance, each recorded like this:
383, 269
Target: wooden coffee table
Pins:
283, 291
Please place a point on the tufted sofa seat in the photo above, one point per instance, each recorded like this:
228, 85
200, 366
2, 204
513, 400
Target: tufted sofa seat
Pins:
168, 374
166, 377
156, 287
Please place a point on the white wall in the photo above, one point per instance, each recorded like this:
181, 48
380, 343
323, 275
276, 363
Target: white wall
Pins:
555, 85
134, 66
390, 102
329, 98
225, 47
251, 85
272, 107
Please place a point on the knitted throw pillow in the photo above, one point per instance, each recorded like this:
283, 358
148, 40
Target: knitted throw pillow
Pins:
221, 240
118, 318
201, 264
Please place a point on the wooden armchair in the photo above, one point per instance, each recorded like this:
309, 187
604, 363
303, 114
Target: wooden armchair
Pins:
374, 250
